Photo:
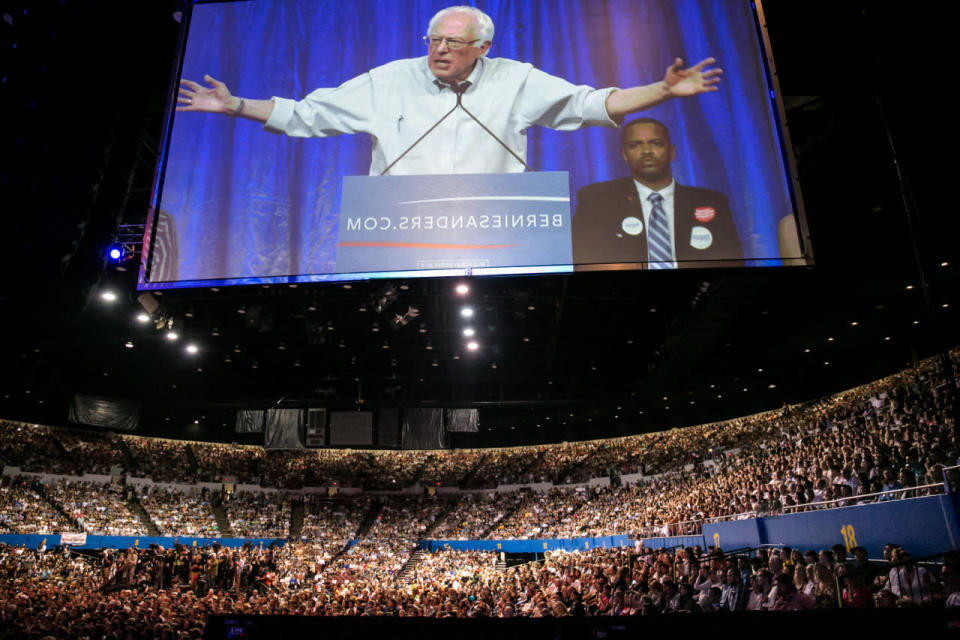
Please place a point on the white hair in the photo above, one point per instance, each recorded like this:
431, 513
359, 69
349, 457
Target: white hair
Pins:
484, 25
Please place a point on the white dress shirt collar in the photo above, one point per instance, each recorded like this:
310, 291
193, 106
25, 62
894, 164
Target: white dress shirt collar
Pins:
437, 85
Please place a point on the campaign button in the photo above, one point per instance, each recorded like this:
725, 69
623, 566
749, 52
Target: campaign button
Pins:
704, 214
700, 238
632, 225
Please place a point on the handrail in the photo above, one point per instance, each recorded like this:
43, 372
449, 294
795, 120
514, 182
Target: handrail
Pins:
746, 515
693, 527
854, 500
947, 485
688, 527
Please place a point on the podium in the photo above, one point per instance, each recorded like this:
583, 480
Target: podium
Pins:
493, 223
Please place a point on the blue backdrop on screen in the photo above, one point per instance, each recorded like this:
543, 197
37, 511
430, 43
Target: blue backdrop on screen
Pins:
247, 204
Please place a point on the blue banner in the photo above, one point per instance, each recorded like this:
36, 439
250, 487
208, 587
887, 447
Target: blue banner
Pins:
32, 541
924, 526
529, 546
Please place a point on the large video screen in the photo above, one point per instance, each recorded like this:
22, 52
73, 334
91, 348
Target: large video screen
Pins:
380, 139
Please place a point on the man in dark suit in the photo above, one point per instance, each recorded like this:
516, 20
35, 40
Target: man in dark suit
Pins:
648, 217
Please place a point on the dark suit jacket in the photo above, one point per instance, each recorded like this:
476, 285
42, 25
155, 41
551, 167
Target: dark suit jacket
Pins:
599, 237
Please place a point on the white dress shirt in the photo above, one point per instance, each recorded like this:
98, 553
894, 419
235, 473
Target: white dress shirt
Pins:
667, 193
399, 101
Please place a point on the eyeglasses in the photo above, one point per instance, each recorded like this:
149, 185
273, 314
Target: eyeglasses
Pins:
436, 41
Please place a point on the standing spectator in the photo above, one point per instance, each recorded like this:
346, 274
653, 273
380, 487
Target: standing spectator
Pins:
907, 580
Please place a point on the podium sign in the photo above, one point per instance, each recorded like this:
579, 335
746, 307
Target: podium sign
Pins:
474, 223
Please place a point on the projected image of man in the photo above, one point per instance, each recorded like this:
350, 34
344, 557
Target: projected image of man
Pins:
398, 102
648, 217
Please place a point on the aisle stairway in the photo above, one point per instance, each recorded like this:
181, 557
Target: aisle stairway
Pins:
369, 519
411, 563
441, 517
220, 513
129, 462
296, 518
192, 461
41, 490
465, 480
136, 508
520, 499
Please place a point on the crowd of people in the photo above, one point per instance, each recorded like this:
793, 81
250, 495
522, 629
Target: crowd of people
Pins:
25, 510
358, 554
331, 522
97, 508
160, 459
258, 515
220, 462
475, 515
880, 428
178, 513
167, 593
885, 440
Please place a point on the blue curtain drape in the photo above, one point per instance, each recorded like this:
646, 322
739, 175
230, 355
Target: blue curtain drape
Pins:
250, 205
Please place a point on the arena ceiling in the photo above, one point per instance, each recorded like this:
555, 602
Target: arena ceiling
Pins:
561, 357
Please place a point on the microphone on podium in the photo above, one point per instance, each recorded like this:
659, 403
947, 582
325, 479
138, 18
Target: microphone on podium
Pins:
459, 88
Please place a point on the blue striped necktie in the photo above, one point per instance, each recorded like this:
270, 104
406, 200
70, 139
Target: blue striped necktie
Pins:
658, 236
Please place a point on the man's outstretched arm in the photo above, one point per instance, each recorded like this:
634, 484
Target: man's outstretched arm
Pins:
677, 83
217, 99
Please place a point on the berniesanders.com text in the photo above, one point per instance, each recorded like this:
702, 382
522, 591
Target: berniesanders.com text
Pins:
443, 222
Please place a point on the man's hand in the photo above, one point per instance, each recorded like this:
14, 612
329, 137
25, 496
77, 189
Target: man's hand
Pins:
677, 83
682, 82
213, 99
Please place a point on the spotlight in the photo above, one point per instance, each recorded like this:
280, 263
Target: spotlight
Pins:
191, 348
462, 289
115, 252
468, 332
472, 346
143, 318
466, 312
109, 296
172, 335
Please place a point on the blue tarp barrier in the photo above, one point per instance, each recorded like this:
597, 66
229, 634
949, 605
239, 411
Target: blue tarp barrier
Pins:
33, 541
529, 546
668, 542
924, 526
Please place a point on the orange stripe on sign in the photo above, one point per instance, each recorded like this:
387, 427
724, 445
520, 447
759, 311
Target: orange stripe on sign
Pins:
424, 245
